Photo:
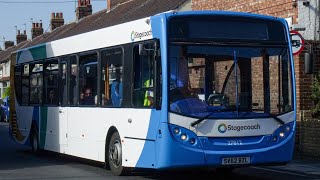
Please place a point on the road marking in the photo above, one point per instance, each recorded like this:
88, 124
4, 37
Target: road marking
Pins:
284, 172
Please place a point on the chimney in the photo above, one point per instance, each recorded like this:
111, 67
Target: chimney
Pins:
8, 44
84, 9
112, 3
56, 20
21, 37
108, 5
36, 30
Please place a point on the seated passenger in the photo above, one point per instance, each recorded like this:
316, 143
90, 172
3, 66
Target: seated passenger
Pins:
86, 98
116, 93
52, 99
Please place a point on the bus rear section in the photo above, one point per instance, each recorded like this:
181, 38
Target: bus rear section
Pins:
230, 91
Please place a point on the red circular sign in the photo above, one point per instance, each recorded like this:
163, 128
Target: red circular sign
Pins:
297, 42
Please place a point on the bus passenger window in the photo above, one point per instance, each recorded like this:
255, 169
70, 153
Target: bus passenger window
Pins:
36, 80
88, 79
73, 73
143, 77
111, 81
18, 82
51, 82
63, 82
25, 84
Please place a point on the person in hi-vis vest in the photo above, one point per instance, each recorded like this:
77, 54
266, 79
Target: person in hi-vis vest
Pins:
148, 97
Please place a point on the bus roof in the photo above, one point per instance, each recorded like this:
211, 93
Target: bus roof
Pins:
221, 13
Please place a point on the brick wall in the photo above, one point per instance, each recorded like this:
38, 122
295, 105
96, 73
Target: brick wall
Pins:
308, 137
279, 8
308, 127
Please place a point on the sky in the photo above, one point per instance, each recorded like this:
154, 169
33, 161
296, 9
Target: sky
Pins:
19, 14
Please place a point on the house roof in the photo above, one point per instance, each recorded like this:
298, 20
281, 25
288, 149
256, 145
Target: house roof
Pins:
5, 54
125, 11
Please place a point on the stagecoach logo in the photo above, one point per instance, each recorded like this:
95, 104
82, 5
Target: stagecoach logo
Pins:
222, 128
139, 35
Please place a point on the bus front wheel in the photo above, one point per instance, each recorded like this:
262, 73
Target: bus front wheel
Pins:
115, 156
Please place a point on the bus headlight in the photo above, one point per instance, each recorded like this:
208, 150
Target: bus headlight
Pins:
184, 136
192, 141
282, 133
288, 128
176, 130
274, 138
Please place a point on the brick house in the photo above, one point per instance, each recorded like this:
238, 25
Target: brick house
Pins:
5, 66
302, 14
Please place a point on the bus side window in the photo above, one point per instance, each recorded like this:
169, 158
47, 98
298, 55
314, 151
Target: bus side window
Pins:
51, 82
25, 85
72, 75
18, 82
143, 77
88, 79
111, 81
63, 82
36, 83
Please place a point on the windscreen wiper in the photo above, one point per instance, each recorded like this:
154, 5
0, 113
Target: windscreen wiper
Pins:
236, 109
276, 118
220, 110
205, 117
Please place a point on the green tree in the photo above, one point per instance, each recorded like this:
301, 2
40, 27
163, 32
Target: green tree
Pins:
315, 96
6, 93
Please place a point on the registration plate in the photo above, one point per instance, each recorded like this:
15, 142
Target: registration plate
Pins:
235, 160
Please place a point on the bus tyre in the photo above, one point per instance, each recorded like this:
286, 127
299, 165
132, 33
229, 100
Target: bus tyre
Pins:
34, 141
115, 156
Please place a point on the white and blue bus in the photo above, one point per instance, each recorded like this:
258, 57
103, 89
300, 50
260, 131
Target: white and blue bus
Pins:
174, 90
